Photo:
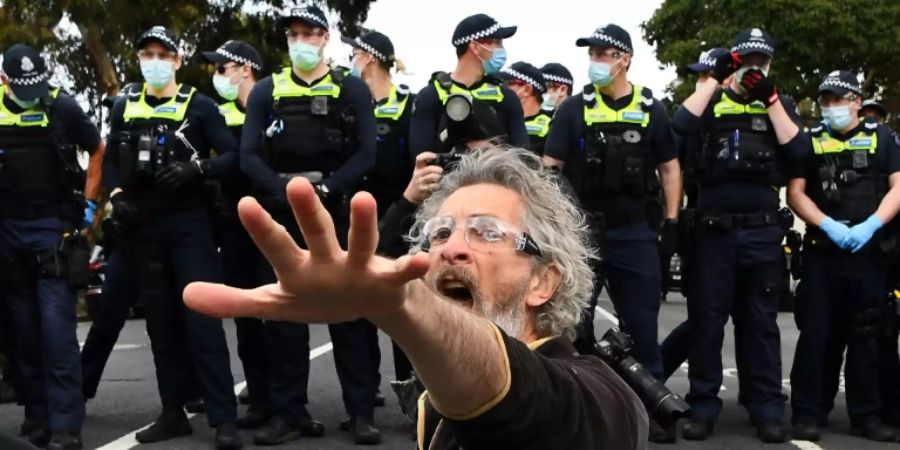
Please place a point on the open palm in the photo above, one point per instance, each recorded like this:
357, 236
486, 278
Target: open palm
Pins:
323, 284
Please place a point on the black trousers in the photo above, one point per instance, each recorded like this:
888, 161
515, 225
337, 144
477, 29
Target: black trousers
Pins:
183, 242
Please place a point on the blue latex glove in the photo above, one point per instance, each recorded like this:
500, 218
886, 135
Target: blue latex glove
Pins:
90, 210
861, 233
835, 230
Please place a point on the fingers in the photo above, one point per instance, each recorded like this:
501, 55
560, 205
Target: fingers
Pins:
408, 268
363, 238
314, 220
219, 300
423, 158
273, 240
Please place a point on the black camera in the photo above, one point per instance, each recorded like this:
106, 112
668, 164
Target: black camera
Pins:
663, 406
447, 161
152, 154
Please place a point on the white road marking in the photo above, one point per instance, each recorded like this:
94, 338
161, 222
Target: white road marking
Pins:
129, 441
122, 346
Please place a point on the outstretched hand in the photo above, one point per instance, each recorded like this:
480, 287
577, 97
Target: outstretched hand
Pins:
323, 284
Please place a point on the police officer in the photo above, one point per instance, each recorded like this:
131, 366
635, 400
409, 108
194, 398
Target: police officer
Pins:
675, 347
480, 56
160, 140
750, 132
849, 188
560, 85
609, 141
372, 60
237, 67
872, 108
310, 121
42, 186
530, 87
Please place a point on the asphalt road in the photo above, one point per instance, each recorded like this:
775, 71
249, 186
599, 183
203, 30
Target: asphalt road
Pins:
127, 400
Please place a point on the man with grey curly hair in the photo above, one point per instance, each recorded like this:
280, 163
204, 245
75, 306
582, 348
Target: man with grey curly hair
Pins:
498, 276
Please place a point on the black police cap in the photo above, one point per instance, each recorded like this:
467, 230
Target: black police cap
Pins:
159, 34
26, 71
557, 73
310, 15
525, 73
235, 51
378, 44
876, 106
841, 82
754, 40
480, 26
707, 60
610, 35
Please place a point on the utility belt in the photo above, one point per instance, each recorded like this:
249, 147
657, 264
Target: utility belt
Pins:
69, 209
67, 260
784, 218
335, 202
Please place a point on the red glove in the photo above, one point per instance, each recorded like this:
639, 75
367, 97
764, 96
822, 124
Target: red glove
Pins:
760, 87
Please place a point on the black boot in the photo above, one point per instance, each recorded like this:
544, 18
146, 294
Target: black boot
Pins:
772, 432
874, 430
170, 424
195, 406
278, 431
662, 435
227, 437
697, 429
807, 429
311, 428
65, 440
364, 432
255, 418
40, 436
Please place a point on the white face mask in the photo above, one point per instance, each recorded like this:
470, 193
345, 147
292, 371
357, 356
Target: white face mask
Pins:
739, 75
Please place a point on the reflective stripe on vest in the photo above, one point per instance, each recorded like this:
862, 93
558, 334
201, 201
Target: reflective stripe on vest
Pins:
393, 108
284, 86
824, 144
173, 110
539, 126
633, 113
29, 118
234, 117
487, 92
727, 106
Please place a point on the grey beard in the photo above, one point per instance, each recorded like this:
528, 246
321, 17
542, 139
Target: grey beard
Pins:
508, 312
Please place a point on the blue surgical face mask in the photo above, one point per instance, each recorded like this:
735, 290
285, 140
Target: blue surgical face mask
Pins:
493, 65
304, 56
226, 89
157, 73
837, 118
355, 71
600, 74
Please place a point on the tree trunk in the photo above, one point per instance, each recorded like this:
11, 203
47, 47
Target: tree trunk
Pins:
95, 48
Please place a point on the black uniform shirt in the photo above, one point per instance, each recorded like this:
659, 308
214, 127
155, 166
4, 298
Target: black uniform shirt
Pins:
428, 111
68, 120
739, 196
886, 160
206, 130
260, 109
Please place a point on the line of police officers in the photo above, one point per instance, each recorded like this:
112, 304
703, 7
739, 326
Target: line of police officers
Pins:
346, 130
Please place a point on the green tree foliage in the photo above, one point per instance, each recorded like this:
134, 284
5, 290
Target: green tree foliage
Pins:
813, 37
94, 39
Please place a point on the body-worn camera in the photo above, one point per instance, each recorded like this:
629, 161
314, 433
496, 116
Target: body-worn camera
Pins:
663, 406
152, 154
447, 161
